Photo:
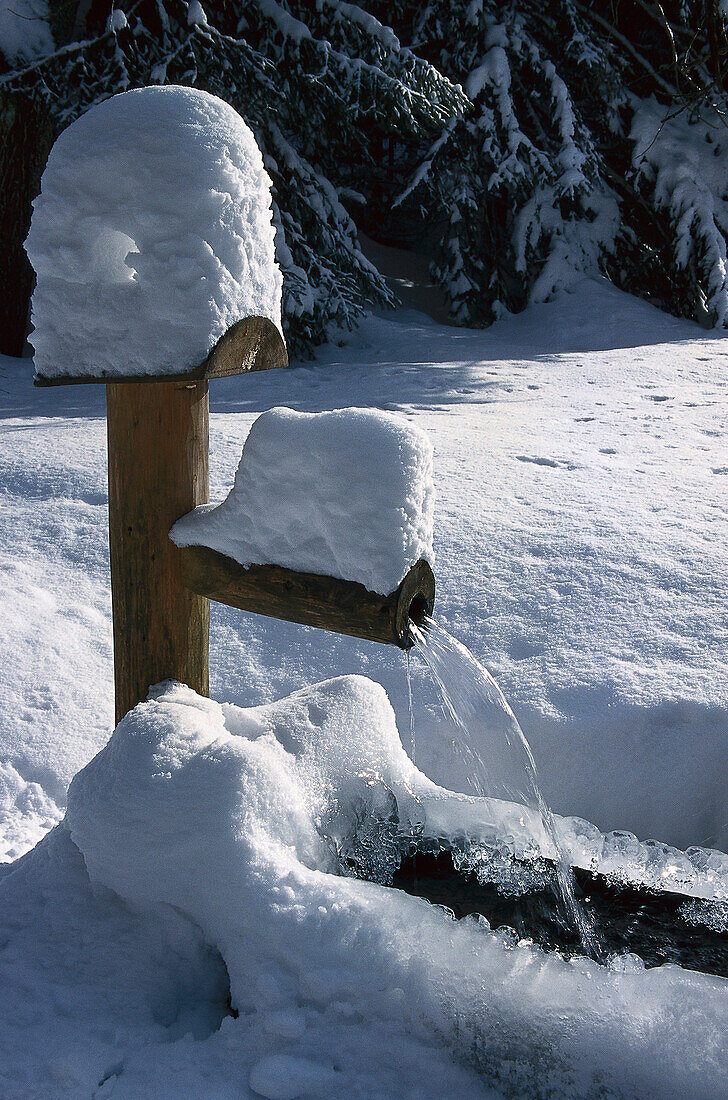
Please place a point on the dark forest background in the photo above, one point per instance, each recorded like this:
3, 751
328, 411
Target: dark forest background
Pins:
508, 146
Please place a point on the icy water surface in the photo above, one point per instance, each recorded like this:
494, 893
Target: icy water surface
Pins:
507, 771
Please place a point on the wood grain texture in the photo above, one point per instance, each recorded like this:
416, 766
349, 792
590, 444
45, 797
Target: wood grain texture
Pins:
253, 343
158, 471
325, 602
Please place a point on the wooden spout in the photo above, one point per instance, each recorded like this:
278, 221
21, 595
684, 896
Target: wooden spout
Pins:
325, 602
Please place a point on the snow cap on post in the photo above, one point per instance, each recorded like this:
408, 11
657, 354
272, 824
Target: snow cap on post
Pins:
151, 237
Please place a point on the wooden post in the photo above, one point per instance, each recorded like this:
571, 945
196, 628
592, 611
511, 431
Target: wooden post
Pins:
158, 471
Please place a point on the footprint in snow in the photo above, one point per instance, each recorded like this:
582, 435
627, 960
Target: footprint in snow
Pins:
552, 463
522, 649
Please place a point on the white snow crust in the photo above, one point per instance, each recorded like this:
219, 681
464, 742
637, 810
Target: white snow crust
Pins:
198, 844
151, 236
26, 813
347, 493
581, 471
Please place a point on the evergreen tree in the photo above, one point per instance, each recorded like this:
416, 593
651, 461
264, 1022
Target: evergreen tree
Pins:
527, 142
596, 143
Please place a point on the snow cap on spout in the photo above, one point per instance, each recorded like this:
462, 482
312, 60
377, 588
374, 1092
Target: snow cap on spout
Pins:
151, 237
347, 494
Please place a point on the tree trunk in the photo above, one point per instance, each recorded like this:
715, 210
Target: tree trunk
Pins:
26, 136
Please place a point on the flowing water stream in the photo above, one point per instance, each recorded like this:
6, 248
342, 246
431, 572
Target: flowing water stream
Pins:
503, 767
413, 743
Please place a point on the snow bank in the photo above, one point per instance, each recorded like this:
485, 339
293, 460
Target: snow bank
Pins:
345, 494
231, 818
85, 982
152, 234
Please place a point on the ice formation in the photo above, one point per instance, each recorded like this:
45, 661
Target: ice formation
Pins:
151, 236
322, 776
347, 494
699, 872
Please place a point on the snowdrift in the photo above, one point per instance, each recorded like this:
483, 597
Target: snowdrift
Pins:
229, 821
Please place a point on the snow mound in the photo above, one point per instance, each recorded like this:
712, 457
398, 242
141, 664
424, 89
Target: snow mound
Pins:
84, 983
26, 812
214, 779
151, 236
230, 818
347, 494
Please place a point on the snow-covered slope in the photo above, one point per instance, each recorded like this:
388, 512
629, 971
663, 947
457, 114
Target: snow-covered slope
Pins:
581, 472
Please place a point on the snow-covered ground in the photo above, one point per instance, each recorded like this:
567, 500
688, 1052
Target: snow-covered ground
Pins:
581, 526
581, 467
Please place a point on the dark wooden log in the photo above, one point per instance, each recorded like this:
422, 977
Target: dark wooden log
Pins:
158, 471
253, 343
325, 602
660, 926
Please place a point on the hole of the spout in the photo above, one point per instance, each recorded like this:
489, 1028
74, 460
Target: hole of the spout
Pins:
415, 601
418, 609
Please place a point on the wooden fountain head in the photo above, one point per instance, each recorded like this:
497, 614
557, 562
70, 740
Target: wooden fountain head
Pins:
158, 456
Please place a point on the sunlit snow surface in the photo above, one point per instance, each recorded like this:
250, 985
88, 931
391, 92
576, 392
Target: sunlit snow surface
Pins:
580, 466
150, 237
345, 493
209, 835
581, 473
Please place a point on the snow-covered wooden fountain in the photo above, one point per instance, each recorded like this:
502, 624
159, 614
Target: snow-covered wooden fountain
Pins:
153, 247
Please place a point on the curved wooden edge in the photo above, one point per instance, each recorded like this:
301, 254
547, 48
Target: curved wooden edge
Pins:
253, 343
415, 599
328, 603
